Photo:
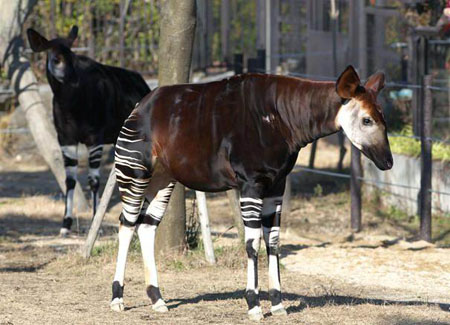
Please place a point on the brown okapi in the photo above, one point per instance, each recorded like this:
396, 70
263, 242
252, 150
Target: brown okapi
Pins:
244, 132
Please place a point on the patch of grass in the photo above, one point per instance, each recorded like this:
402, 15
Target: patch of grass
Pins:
412, 147
105, 249
440, 222
177, 265
318, 190
5, 239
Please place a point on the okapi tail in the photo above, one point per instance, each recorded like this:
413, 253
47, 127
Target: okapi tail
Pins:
133, 170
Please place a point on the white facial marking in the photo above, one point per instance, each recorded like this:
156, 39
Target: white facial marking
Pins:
57, 71
350, 117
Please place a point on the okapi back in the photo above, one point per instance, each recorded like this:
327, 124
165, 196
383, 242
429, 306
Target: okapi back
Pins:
252, 122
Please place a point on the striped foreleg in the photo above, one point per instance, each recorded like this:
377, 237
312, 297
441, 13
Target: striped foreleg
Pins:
151, 218
95, 158
251, 215
70, 164
271, 215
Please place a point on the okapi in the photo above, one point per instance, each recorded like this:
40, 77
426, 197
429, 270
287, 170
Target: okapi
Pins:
244, 132
90, 103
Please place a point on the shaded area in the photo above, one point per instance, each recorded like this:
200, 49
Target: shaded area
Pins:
14, 225
24, 268
303, 301
16, 184
305, 184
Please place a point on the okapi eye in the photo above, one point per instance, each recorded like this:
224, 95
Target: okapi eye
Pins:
56, 61
367, 121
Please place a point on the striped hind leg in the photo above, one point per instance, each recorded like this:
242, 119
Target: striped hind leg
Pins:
132, 195
271, 217
133, 178
125, 236
152, 215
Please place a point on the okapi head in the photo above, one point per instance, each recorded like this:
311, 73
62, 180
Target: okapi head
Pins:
60, 59
361, 116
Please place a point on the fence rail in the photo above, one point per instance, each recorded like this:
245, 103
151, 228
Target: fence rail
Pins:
363, 179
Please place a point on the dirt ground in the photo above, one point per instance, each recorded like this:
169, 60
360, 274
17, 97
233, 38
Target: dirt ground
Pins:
329, 275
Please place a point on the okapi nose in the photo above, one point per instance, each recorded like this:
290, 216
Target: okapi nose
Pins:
389, 162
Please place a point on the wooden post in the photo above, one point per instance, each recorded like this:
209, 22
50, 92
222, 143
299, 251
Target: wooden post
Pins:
52, 18
362, 38
238, 63
273, 7
124, 4
312, 155
260, 24
225, 31
355, 189
268, 39
420, 69
426, 161
99, 215
334, 14
204, 223
233, 197
177, 30
359, 37
286, 207
91, 40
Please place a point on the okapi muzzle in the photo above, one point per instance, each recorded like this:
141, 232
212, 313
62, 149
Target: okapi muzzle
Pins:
361, 116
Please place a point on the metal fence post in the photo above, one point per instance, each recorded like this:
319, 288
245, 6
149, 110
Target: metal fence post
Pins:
355, 189
426, 160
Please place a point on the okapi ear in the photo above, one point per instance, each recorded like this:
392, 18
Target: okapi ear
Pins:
73, 34
38, 42
348, 84
375, 82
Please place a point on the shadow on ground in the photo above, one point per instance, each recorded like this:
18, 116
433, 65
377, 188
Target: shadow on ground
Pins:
303, 301
13, 226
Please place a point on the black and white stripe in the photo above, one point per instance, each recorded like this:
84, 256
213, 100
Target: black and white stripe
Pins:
132, 175
251, 211
95, 156
154, 211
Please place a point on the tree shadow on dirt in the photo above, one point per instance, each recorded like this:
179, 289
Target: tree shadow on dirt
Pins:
304, 301
15, 225
24, 268
17, 184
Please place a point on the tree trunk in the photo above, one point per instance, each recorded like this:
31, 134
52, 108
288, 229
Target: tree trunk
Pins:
12, 16
178, 20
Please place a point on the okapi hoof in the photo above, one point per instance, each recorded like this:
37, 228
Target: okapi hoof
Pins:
278, 310
64, 232
160, 306
255, 314
117, 305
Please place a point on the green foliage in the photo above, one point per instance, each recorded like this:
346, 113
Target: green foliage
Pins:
318, 190
98, 23
109, 248
104, 249
412, 147
243, 27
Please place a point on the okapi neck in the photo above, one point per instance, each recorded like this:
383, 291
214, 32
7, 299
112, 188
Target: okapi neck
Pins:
310, 110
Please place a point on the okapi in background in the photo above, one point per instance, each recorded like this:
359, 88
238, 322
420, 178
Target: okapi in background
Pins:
244, 132
90, 103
